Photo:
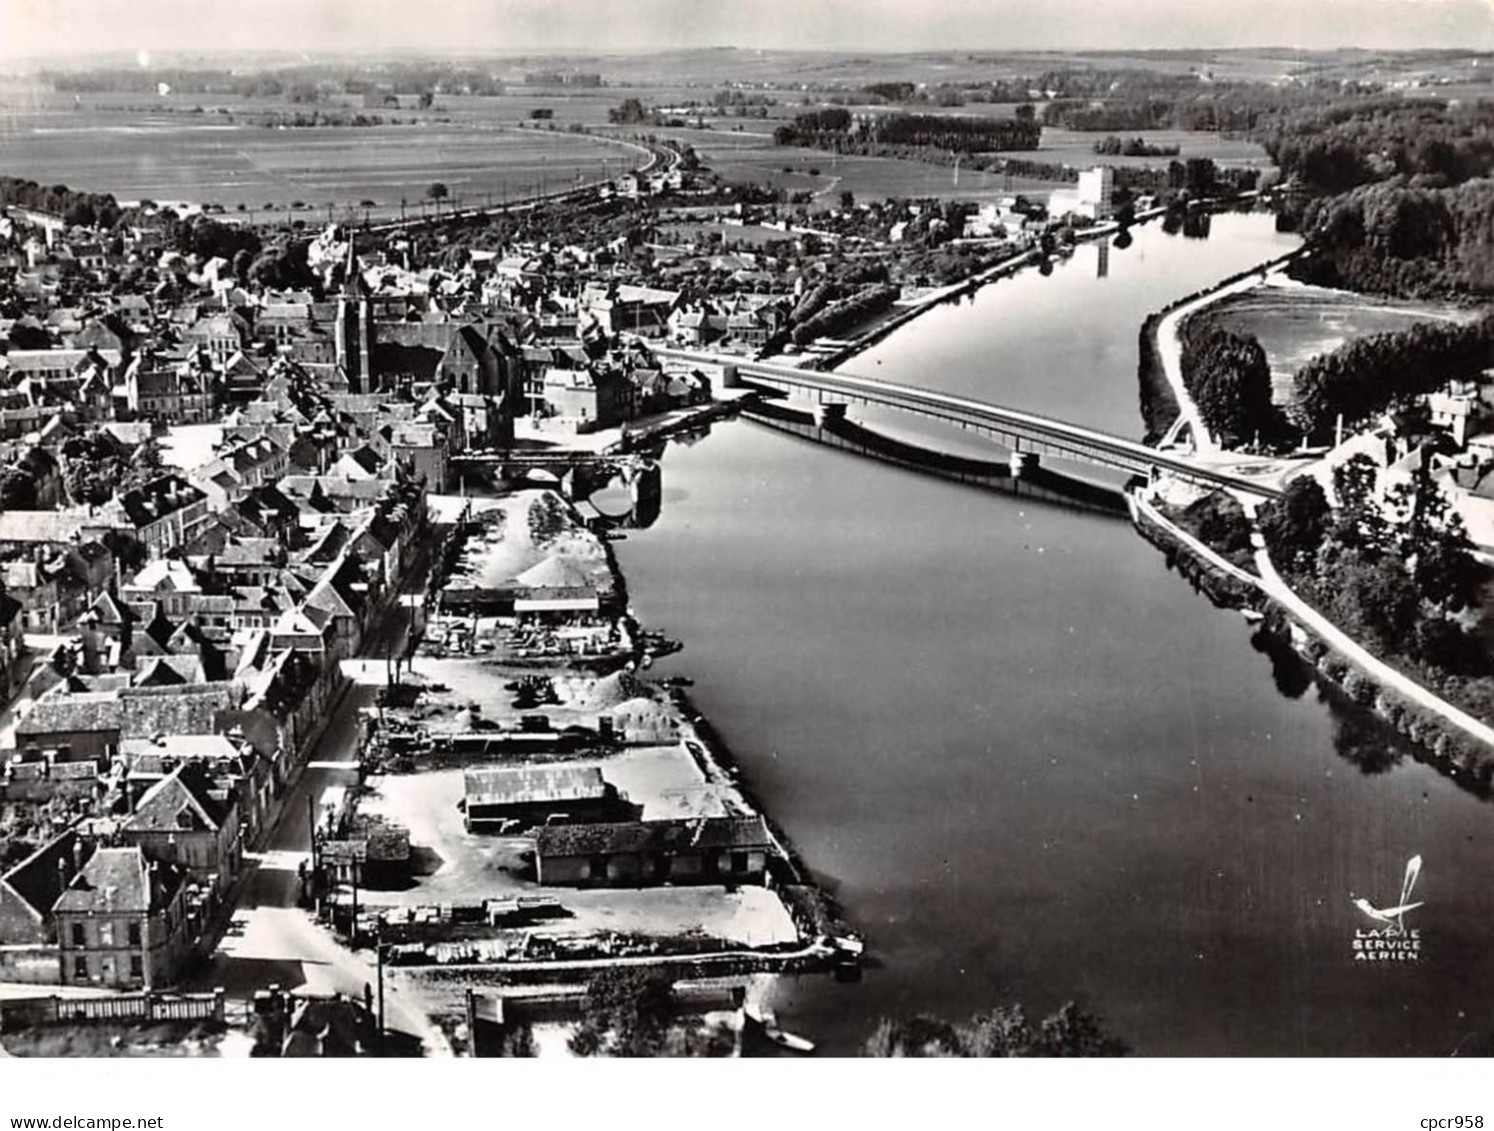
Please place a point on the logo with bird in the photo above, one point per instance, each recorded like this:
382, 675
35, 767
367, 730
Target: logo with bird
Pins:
1394, 918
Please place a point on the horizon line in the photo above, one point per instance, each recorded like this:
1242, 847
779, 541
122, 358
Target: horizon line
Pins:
568, 52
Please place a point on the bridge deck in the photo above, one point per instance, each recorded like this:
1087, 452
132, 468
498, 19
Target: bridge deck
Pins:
1026, 431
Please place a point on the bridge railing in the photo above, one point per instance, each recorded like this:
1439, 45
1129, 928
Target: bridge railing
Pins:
1025, 431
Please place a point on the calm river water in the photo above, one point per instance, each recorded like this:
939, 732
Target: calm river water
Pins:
1031, 762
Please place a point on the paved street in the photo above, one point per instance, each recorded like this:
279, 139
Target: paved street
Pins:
269, 938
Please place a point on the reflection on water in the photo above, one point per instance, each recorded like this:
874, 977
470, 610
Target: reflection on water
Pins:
1034, 764
1291, 676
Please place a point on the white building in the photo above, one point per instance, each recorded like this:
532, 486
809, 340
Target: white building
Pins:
1096, 191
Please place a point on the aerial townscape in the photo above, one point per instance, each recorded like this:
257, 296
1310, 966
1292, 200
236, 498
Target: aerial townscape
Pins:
636, 554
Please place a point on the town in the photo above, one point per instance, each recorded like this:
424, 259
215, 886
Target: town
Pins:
329, 722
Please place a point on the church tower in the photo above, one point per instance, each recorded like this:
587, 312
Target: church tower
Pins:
353, 332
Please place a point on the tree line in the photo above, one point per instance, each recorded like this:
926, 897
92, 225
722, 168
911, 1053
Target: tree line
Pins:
1393, 193
1229, 379
1134, 147
1337, 147
83, 209
1367, 375
845, 313
1401, 238
835, 129
1393, 568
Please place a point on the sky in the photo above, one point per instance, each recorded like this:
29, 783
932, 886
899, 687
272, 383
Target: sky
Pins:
73, 28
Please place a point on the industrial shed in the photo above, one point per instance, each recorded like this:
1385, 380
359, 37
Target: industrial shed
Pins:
705, 850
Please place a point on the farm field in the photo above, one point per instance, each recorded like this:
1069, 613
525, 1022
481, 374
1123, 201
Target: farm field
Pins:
751, 156
1077, 148
125, 145
1295, 323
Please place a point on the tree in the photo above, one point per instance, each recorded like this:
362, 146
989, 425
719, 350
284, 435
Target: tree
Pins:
1431, 536
1447, 572
17, 490
1359, 523
1230, 380
1005, 1031
630, 112
627, 1012
1294, 525
1375, 597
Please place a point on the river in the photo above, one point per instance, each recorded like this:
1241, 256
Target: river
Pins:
1033, 764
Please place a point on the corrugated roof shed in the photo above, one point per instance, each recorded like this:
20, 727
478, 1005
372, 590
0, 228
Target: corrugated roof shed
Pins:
534, 784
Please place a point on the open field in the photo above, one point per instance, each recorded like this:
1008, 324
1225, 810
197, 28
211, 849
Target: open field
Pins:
1077, 148
169, 153
752, 157
1296, 323
810, 68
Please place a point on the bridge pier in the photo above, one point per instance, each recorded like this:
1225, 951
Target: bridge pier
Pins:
729, 377
1022, 464
826, 414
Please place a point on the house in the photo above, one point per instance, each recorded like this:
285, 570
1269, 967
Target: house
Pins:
182, 393
229, 760
167, 581
500, 799
12, 644
165, 513
28, 528
288, 703
122, 922
422, 449
29, 890
34, 583
589, 397
471, 364
372, 851
86, 723
220, 335
709, 850
240, 466
697, 327
187, 820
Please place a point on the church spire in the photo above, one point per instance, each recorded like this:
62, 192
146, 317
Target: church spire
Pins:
352, 280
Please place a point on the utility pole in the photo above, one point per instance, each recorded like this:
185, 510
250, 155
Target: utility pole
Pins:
379, 952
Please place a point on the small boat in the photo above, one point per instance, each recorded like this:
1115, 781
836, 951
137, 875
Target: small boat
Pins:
1252, 616
849, 945
767, 1021
791, 1041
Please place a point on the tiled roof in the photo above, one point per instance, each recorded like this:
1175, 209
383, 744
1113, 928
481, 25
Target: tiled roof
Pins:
182, 802
90, 712
38, 879
120, 880
652, 836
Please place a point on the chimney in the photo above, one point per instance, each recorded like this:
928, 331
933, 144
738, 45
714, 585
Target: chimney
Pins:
77, 856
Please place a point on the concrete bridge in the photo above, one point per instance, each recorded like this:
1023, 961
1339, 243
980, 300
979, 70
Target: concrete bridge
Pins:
575, 474
1026, 435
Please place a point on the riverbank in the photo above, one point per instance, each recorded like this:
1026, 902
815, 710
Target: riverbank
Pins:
907, 312
1166, 403
657, 754
1447, 738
